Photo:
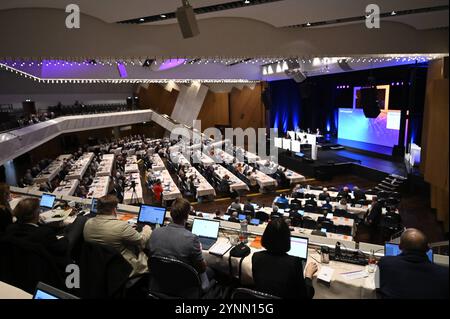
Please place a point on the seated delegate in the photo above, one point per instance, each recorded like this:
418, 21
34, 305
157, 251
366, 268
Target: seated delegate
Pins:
277, 273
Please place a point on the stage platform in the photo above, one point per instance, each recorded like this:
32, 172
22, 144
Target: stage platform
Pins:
332, 162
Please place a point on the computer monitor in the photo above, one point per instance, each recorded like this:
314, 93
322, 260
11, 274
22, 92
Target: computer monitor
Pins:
242, 217
47, 200
301, 212
391, 249
94, 206
299, 247
152, 215
323, 230
206, 228
44, 291
255, 221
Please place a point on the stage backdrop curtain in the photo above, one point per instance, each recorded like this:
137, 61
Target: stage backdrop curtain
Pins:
435, 141
285, 106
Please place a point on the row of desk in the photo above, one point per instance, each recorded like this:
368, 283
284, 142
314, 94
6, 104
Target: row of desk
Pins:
80, 167
106, 166
50, 172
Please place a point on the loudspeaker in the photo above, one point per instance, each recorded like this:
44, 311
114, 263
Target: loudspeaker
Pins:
186, 19
369, 102
266, 98
129, 101
29, 107
297, 75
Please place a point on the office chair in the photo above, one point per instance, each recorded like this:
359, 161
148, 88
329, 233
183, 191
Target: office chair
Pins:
173, 279
309, 223
329, 226
244, 293
262, 216
23, 264
343, 230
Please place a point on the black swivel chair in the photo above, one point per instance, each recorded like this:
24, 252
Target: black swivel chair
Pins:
329, 226
244, 293
309, 223
173, 279
24, 264
343, 230
262, 216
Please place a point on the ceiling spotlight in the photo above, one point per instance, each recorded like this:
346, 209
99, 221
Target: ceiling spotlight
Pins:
163, 16
247, 2
308, 24
141, 19
393, 13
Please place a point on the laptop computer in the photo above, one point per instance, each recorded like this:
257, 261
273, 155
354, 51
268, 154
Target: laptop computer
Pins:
44, 291
151, 215
299, 248
47, 202
242, 217
207, 231
93, 209
391, 249
255, 221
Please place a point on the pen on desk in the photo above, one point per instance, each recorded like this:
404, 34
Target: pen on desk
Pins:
350, 272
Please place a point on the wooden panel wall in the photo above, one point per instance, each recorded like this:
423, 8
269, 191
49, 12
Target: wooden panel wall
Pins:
246, 108
435, 139
158, 99
215, 110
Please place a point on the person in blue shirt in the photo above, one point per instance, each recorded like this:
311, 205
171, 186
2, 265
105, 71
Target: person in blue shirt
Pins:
282, 199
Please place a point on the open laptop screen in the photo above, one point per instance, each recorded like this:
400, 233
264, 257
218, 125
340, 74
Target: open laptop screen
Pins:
206, 228
391, 249
299, 247
151, 215
94, 206
44, 291
47, 200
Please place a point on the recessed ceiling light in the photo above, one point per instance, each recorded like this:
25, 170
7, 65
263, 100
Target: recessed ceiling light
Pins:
393, 13
308, 24
163, 16
142, 19
247, 1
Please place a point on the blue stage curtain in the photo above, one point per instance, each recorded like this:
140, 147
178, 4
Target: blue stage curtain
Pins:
285, 108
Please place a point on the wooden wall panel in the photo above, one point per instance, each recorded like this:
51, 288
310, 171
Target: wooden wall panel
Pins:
158, 99
435, 140
246, 108
215, 110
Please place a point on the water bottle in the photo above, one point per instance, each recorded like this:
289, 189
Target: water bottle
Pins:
243, 233
372, 263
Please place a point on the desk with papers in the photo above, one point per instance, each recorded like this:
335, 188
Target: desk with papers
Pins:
81, 165
106, 165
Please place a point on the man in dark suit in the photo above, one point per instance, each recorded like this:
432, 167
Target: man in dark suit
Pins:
248, 208
411, 275
358, 194
344, 193
374, 213
27, 228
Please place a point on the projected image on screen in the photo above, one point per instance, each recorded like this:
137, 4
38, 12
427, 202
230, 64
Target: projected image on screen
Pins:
383, 130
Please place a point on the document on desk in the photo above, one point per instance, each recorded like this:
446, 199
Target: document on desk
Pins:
220, 248
355, 274
325, 274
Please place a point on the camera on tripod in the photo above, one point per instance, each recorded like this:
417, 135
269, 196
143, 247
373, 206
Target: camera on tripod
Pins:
133, 185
